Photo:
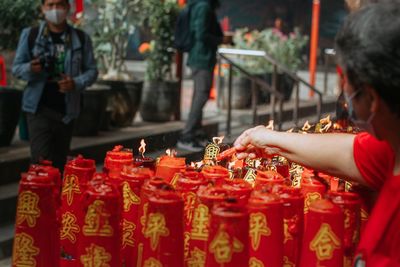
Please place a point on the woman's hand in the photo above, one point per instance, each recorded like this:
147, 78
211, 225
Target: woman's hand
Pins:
256, 142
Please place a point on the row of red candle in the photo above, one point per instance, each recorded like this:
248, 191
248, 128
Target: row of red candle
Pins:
75, 181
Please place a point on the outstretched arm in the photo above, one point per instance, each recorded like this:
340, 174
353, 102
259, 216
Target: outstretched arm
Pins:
331, 153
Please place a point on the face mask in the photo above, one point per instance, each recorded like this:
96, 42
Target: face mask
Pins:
363, 125
56, 16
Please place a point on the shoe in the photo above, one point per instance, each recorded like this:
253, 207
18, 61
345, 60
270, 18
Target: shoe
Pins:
193, 146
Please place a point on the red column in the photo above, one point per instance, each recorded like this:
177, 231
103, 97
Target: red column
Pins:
3, 77
314, 42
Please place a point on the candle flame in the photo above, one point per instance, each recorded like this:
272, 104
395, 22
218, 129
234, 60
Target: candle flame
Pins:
218, 140
337, 126
199, 164
192, 164
290, 130
171, 152
306, 126
142, 147
270, 125
326, 120
326, 127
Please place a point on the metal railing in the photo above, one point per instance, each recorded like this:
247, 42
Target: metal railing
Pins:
276, 96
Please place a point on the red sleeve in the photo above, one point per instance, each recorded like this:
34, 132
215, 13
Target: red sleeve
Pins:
374, 159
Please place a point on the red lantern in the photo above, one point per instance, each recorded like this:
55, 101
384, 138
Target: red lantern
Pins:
163, 230
238, 189
323, 236
77, 173
350, 203
228, 240
116, 159
293, 224
132, 180
215, 175
147, 190
168, 166
100, 238
266, 229
208, 196
36, 240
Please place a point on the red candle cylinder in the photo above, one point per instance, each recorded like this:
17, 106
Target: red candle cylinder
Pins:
163, 230
132, 180
145, 162
229, 236
323, 236
208, 196
168, 166
350, 203
293, 224
187, 185
36, 240
239, 189
269, 178
147, 190
266, 229
77, 173
100, 238
53, 172
116, 159
215, 175
312, 190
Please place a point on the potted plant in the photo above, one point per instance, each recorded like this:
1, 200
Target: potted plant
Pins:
161, 93
15, 15
110, 24
286, 49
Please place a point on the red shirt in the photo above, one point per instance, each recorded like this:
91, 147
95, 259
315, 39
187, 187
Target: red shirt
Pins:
380, 243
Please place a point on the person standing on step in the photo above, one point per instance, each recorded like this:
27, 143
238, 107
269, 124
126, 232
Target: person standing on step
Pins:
207, 35
58, 63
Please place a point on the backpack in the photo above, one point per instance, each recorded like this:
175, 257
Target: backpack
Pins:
183, 40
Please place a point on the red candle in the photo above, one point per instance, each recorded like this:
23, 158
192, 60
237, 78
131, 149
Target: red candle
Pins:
147, 190
215, 175
293, 223
323, 236
187, 185
163, 230
53, 172
312, 190
208, 196
77, 173
266, 229
228, 240
116, 159
146, 162
350, 203
36, 240
238, 189
269, 178
168, 166
100, 239
132, 180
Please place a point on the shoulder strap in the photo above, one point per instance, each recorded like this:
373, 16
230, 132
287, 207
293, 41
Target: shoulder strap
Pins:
33, 33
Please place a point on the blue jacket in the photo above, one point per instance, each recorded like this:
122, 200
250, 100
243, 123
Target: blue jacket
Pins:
79, 64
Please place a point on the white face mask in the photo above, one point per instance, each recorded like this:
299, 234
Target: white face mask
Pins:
56, 16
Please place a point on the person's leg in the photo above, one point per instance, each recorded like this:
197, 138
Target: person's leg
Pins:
202, 85
39, 129
61, 141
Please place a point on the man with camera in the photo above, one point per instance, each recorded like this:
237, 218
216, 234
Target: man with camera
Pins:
58, 63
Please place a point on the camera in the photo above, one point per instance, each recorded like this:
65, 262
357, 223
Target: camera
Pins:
48, 62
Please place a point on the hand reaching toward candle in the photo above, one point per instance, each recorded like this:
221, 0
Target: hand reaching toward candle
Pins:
256, 142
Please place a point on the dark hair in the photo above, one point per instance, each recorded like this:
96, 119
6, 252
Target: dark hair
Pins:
368, 49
